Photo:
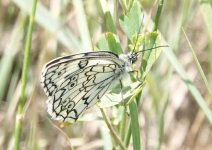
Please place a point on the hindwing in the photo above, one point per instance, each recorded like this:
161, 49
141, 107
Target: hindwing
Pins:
76, 82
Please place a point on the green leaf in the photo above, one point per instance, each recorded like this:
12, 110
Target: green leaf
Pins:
109, 42
102, 44
149, 57
113, 43
131, 23
110, 26
121, 96
135, 125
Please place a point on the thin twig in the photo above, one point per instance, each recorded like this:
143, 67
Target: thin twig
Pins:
113, 132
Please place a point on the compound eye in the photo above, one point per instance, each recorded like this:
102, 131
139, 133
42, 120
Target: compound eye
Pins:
132, 58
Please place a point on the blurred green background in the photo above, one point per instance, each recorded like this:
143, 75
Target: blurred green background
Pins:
175, 107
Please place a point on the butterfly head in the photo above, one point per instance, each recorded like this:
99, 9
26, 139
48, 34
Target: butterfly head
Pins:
132, 58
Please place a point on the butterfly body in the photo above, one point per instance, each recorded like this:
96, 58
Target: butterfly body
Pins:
76, 82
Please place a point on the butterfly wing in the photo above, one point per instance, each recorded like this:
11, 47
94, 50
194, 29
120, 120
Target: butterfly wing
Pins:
76, 82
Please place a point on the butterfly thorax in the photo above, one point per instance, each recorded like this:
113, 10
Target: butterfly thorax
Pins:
129, 59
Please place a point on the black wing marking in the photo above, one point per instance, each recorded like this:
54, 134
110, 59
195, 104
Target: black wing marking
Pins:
77, 84
58, 68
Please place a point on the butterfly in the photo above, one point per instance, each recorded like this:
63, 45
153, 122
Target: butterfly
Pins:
76, 82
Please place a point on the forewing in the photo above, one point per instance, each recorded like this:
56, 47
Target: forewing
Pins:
74, 85
57, 69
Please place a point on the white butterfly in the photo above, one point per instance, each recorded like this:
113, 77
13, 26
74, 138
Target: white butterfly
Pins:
76, 82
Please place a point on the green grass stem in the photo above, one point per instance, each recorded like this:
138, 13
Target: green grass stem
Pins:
193, 90
204, 79
19, 116
112, 131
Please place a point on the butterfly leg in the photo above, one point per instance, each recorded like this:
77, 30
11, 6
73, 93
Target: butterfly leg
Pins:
121, 85
123, 102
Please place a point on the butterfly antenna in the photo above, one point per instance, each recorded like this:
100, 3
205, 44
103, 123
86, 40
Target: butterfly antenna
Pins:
150, 49
139, 29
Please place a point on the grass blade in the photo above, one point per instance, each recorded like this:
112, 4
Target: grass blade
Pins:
135, 125
43, 17
193, 90
199, 67
19, 115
